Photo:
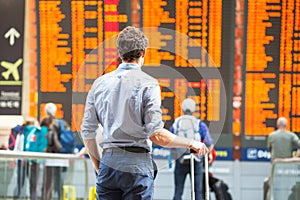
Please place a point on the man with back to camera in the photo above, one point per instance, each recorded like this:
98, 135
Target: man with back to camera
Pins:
190, 127
280, 143
126, 102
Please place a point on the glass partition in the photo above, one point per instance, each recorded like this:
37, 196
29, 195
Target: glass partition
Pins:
30, 175
285, 180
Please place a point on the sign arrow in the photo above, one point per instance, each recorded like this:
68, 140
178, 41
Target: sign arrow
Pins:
11, 34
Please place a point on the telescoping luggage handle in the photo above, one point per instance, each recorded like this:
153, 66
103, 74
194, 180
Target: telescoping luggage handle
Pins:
206, 177
193, 177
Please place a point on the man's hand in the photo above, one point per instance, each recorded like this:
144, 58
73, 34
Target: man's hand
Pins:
93, 151
199, 148
167, 139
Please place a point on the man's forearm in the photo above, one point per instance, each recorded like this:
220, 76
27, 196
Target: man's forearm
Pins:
166, 139
93, 152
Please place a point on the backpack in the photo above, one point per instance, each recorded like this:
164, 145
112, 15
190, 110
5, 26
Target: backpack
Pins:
66, 139
13, 136
35, 139
185, 126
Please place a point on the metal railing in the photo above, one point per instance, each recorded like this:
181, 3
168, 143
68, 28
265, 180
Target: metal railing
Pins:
33, 175
285, 179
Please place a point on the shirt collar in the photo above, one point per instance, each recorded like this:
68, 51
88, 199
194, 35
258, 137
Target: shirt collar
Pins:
126, 66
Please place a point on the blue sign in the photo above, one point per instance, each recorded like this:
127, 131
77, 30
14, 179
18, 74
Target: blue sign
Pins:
224, 153
164, 153
160, 153
255, 154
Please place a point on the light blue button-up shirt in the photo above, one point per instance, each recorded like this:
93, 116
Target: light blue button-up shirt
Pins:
127, 103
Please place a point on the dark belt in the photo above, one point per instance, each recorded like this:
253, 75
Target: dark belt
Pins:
129, 149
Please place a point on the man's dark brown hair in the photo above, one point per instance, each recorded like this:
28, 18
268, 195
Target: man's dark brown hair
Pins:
131, 44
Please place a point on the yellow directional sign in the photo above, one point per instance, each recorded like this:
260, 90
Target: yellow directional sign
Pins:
12, 69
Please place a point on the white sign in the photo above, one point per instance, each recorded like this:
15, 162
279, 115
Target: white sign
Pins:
12, 33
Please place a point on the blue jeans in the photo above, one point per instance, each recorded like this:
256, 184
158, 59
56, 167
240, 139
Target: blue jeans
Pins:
124, 175
180, 172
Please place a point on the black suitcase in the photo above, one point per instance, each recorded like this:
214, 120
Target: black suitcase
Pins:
221, 191
219, 187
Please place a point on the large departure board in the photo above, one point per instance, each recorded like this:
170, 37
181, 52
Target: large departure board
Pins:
272, 65
191, 55
69, 32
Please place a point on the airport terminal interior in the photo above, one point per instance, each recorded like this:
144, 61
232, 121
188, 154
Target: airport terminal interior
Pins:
239, 60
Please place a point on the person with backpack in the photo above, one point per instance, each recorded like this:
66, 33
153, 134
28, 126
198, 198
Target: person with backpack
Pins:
18, 141
54, 146
190, 127
54, 168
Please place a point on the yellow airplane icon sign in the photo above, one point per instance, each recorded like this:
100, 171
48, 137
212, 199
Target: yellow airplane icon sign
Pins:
12, 69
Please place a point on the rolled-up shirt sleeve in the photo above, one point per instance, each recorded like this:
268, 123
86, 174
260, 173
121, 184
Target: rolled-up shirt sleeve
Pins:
152, 110
90, 121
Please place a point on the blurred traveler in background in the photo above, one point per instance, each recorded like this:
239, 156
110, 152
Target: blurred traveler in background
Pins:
190, 127
280, 143
54, 168
18, 145
32, 143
